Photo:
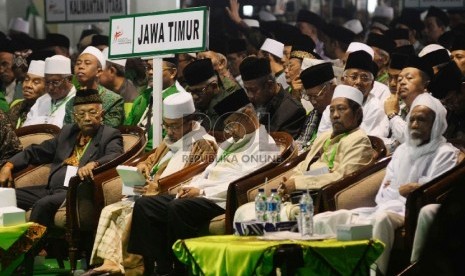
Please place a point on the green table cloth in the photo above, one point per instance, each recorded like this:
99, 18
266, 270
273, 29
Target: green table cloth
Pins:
10, 234
239, 255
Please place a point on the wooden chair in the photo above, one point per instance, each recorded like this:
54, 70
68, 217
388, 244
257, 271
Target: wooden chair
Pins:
36, 134
76, 207
222, 224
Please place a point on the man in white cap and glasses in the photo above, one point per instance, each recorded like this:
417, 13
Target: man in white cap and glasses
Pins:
33, 88
344, 149
274, 51
424, 156
87, 70
186, 143
158, 221
50, 108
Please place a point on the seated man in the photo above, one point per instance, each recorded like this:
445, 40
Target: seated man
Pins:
33, 88
9, 142
424, 156
50, 108
158, 221
319, 83
186, 143
86, 145
276, 108
344, 149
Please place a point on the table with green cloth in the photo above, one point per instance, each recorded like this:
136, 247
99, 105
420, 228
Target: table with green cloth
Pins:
15, 242
250, 255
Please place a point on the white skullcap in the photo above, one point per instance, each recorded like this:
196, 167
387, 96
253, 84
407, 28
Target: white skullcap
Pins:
96, 53
431, 48
384, 11
380, 26
252, 23
358, 46
354, 25
37, 67
121, 62
273, 47
348, 92
20, 25
58, 64
309, 62
178, 105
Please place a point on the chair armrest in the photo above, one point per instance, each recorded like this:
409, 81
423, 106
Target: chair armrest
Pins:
33, 176
435, 191
329, 193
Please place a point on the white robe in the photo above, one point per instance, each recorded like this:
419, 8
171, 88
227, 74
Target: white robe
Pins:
389, 213
375, 121
41, 111
381, 92
259, 150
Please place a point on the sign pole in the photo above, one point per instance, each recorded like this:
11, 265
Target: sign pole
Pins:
157, 101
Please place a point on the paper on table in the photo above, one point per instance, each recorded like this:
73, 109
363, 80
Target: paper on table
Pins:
70, 172
287, 235
131, 177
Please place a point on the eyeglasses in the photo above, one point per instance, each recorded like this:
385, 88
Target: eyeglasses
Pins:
173, 127
230, 126
54, 83
91, 113
309, 96
200, 90
362, 77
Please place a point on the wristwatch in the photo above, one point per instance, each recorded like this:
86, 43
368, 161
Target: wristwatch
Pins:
391, 115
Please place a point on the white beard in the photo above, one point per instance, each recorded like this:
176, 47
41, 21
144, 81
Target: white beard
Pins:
415, 142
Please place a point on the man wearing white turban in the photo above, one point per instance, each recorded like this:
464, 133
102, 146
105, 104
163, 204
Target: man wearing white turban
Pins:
186, 142
424, 156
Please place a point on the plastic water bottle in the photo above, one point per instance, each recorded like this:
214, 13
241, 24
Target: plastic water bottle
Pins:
260, 205
306, 215
273, 205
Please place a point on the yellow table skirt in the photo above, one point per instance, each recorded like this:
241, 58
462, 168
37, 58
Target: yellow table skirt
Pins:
236, 255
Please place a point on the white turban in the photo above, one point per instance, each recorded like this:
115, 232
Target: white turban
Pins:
438, 129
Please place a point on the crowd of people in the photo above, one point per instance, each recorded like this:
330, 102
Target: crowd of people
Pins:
330, 85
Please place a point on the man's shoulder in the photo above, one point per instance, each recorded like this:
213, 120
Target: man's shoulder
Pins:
108, 95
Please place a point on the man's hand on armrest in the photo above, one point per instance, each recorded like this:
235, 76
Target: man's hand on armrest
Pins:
6, 177
406, 189
86, 170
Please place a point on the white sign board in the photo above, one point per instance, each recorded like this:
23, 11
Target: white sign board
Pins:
57, 11
165, 32
445, 4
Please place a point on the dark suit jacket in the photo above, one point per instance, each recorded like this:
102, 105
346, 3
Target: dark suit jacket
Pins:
106, 145
285, 114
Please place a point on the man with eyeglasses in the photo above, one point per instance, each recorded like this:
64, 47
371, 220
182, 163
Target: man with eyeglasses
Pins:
142, 112
319, 84
359, 72
10, 87
158, 221
82, 146
301, 48
207, 89
185, 143
277, 110
50, 108
33, 88
87, 69
338, 152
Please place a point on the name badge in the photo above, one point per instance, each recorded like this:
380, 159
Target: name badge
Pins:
70, 172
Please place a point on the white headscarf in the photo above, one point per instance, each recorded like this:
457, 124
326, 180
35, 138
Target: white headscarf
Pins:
438, 129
